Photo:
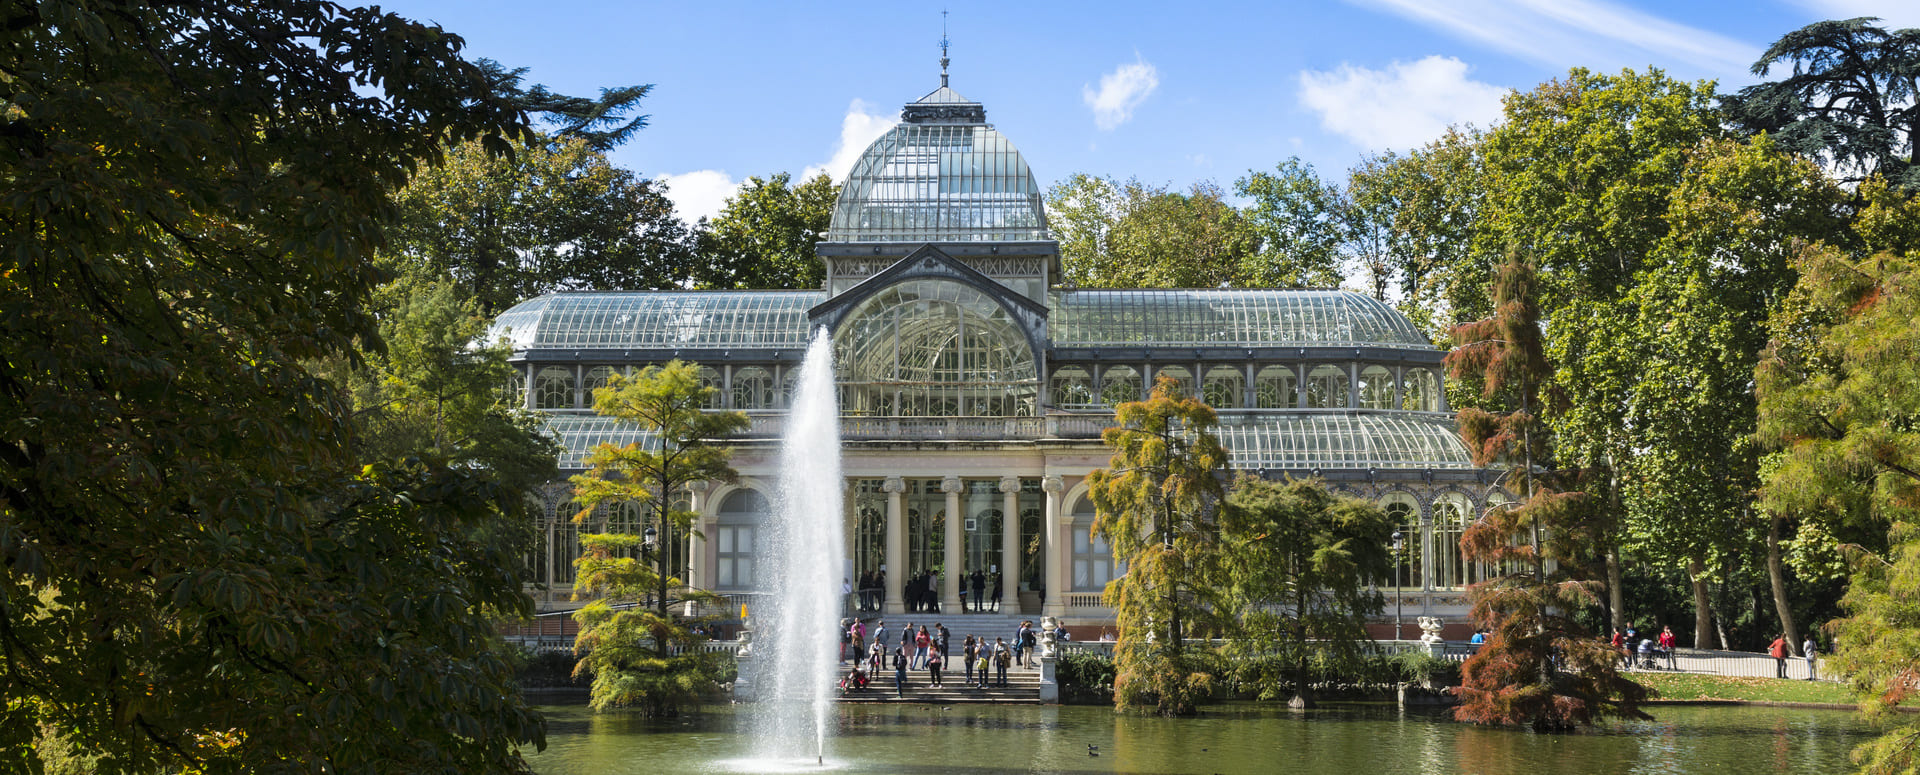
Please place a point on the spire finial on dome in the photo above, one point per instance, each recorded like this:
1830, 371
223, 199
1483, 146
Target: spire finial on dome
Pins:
943, 47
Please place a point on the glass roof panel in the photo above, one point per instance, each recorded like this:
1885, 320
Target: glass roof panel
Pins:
1227, 318
1343, 440
580, 434
939, 183
659, 320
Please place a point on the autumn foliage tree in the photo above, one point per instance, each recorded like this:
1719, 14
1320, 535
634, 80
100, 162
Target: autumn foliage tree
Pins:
1158, 505
1539, 667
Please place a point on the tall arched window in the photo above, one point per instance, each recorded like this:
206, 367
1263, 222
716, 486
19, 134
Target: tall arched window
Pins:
1451, 513
1223, 387
1376, 387
1276, 387
710, 378
1118, 385
1072, 387
1423, 391
1405, 513
553, 388
1327, 387
597, 377
752, 388
933, 348
735, 538
1093, 564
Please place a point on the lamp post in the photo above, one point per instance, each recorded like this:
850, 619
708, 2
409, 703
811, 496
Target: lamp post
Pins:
1396, 585
649, 540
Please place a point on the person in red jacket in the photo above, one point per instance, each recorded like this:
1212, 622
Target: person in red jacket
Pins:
1778, 650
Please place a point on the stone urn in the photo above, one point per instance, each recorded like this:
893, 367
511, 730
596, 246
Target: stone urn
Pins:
1048, 647
1430, 629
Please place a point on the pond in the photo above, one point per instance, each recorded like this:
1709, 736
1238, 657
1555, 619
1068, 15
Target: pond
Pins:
1349, 739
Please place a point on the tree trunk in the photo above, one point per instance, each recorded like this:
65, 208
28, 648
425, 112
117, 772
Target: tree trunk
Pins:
1616, 595
1702, 606
1778, 576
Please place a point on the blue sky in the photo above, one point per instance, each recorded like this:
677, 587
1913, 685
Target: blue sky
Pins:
1119, 88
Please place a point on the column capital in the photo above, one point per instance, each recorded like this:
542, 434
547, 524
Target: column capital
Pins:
893, 484
699, 485
1009, 484
951, 484
1053, 484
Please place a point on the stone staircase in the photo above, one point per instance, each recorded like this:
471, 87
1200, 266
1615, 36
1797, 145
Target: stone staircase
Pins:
1023, 688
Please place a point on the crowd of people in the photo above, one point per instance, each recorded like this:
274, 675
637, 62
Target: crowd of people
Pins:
979, 592
983, 663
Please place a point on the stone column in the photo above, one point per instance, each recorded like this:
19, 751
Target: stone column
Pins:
1009, 544
896, 489
950, 580
1051, 546
697, 567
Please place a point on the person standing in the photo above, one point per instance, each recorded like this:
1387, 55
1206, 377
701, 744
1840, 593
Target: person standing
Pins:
1666, 647
934, 663
921, 643
1002, 657
979, 584
966, 658
858, 631
933, 592
1810, 650
880, 634
1778, 650
900, 672
996, 593
943, 638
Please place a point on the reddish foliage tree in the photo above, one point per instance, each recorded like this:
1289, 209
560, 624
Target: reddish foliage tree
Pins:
1539, 668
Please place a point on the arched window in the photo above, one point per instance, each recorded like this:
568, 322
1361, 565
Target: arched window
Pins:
735, 538
1423, 391
1276, 387
1178, 374
1072, 387
710, 378
553, 388
934, 348
516, 389
1118, 385
1223, 387
1405, 513
1327, 387
597, 377
752, 388
1376, 388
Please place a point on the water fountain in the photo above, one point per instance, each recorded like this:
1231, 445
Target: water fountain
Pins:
796, 638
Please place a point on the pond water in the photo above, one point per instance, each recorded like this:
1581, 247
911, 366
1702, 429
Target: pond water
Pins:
1346, 739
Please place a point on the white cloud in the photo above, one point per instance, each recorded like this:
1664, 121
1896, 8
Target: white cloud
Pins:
700, 193
1893, 14
1591, 33
1401, 107
1120, 92
858, 129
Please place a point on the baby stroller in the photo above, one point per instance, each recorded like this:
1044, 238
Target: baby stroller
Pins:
1649, 653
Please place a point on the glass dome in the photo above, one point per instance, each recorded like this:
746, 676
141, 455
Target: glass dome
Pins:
934, 348
939, 182
1229, 318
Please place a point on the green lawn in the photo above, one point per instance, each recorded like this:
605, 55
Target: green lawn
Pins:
1688, 686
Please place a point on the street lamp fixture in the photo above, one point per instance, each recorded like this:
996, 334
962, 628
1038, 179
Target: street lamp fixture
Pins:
1396, 585
650, 538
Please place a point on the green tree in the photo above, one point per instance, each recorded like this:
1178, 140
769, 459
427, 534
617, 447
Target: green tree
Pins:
434, 391
1300, 562
1839, 402
1301, 223
643, 655
765, 235
553, 215
1158, 505
1849, 100
198, 571
1429, 202
1134, 235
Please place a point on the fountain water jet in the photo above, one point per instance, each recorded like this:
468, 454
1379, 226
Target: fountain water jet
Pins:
796, 637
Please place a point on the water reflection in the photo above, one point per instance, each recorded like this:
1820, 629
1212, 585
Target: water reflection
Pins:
1344, 739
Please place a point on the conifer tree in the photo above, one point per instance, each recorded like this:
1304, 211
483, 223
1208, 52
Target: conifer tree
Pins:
1539, 667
